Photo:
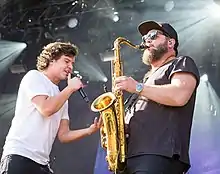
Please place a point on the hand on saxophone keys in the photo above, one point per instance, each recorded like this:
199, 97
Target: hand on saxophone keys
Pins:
125, 83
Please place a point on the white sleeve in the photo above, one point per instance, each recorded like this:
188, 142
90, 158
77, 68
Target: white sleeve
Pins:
65, 114
34, 84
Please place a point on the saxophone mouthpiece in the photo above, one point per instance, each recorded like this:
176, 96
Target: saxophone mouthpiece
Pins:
142, 46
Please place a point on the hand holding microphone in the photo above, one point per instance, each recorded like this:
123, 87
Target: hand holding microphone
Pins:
75, 83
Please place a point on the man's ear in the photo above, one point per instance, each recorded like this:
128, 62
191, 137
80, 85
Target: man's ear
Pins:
171, 43
52, 61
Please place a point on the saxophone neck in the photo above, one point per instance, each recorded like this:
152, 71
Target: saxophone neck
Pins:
120, 40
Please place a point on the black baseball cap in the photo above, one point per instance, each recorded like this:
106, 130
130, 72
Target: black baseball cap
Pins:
166, 28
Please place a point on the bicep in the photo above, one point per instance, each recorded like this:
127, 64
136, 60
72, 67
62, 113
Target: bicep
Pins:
38, 101
186, 82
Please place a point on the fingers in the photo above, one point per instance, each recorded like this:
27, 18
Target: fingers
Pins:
119, 87
120, 82
120, 79
77, 82
97, 122
80, 82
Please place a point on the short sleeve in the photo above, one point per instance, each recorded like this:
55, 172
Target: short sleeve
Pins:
187, 65
34, 84
65, 114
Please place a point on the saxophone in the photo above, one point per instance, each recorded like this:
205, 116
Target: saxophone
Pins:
111, 107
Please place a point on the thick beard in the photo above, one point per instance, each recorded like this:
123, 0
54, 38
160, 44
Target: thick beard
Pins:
155, 54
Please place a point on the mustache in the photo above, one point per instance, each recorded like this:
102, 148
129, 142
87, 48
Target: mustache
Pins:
144, 46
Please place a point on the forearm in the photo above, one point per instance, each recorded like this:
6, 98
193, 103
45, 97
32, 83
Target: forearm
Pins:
54, 103
73, 135
169, 94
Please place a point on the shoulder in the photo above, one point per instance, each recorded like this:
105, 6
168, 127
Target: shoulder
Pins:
185, 64
32, 75
183, 59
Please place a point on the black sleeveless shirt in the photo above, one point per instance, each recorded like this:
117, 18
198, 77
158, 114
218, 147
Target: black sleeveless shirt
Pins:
159, 129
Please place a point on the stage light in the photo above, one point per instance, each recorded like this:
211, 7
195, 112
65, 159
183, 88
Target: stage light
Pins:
105, 79
75, 2
72, 23
214, 10
116, 18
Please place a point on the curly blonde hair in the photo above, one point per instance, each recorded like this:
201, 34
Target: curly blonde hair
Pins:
54, 51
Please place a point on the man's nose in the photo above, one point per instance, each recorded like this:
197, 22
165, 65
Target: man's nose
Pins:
70, 66
147, 41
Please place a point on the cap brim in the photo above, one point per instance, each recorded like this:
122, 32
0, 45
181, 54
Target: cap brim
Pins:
146, 26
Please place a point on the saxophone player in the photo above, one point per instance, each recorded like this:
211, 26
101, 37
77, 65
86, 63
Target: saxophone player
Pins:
159, 122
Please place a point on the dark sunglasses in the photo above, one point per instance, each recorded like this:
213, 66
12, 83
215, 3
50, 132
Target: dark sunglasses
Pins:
153, 35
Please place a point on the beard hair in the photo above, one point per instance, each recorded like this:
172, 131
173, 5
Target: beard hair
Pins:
155, 54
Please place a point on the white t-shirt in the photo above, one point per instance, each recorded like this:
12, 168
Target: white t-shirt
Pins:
31, 134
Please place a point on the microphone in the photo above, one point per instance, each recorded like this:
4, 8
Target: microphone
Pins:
83, 94
81, 91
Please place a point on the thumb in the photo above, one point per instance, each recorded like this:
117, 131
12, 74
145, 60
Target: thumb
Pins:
95, 120
69, 77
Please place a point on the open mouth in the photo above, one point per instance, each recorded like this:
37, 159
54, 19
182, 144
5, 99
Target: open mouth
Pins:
67, 72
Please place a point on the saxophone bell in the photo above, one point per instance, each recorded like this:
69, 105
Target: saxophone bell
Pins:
103, 102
